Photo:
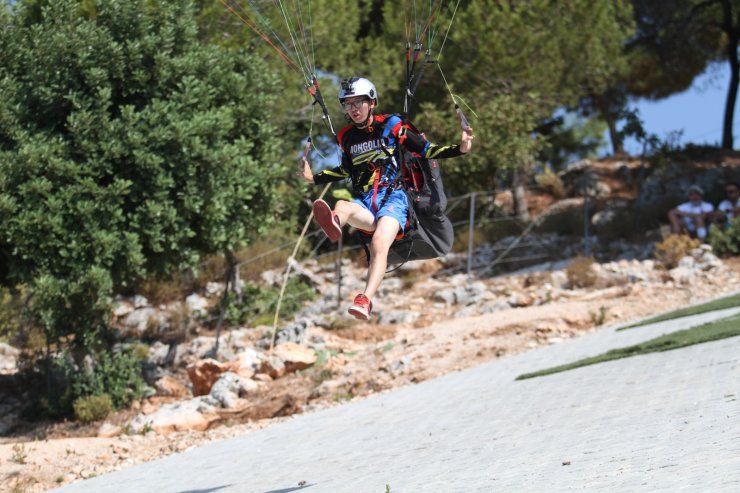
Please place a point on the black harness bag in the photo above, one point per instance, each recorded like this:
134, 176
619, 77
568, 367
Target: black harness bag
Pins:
429, 233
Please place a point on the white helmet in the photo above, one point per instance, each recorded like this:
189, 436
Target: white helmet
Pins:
357, 86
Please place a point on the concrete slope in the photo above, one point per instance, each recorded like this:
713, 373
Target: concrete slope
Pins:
660, 422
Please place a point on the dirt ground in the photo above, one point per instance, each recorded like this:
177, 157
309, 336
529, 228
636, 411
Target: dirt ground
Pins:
358, 361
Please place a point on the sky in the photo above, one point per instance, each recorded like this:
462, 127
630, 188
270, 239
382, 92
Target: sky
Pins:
698, 111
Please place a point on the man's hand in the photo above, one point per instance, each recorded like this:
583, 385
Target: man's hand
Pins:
306, 172
466, 140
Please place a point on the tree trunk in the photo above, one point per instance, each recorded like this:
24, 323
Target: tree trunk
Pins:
520, 197
617, 144
231, 278
234, 280
732, 45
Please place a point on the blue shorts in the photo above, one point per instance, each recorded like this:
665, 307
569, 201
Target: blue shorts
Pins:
397, 205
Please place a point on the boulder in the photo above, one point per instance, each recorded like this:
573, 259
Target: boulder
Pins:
519, 300
203, 374
171, 387
139, 301
122, 308
293, 332
109, 430
197, 304
238, 339
193, 414
682, 275
230, 388
405, 317
305, 273
294, 356
8, 358
158, 353
246, 363
447, 296
272, 366
197, 349
142, 319
214, 288
466, 294
201, 346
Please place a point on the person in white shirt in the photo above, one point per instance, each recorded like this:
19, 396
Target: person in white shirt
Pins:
692, 217
730, 207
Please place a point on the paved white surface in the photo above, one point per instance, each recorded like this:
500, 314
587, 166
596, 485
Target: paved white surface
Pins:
659, 422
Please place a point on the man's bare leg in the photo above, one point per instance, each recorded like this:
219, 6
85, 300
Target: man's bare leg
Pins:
355, 215
701, 229
385, 232
676, 226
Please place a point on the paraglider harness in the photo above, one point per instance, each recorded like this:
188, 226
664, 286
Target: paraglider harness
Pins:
428, 233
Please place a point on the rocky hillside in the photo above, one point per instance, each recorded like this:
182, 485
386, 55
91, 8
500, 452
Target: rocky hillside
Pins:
430, 318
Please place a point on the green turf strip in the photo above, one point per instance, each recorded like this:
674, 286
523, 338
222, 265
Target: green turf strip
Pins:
720, 304
712, 331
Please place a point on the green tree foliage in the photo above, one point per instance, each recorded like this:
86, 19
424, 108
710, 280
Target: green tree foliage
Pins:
11, 313
676, 41
570, 137
298, 40
538, 54
504, 143
516, 63
557, 50
127, 148
673, 44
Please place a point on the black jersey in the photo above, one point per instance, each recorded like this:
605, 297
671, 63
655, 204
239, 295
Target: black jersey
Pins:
367, 152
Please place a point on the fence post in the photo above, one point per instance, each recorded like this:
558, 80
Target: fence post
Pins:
589, 183
339, 271
470, 232
237, 283
586, 249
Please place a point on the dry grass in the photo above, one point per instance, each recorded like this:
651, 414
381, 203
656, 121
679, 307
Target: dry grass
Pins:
580, 272
673, 248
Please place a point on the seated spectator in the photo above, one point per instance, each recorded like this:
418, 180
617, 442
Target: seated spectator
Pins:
692, 217
730, 207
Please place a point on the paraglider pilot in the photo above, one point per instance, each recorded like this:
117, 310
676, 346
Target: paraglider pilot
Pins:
369, 158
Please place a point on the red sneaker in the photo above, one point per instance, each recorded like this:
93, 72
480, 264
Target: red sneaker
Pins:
361, 308
328, 221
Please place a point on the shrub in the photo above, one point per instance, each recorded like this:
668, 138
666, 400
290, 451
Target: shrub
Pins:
92, 408
258, 303
90, 197
551, 183
580, 272
726, 241
117, 374
11, 312
673, 248
54, 382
